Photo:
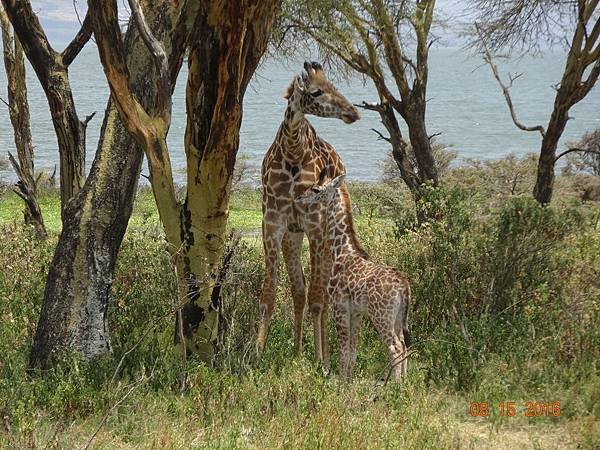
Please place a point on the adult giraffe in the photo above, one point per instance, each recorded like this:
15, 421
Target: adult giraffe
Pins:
293, 163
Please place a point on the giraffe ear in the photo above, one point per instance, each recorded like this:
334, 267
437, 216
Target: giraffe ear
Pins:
337, 181
299, 84
309, 68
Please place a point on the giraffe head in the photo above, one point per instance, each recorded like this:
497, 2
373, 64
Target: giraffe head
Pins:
312, 93
324, 192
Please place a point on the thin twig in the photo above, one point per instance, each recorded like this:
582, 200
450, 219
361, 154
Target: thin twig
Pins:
400, 360
4, 101
113, 407
370, 106
571, 150
381, 136
88, 118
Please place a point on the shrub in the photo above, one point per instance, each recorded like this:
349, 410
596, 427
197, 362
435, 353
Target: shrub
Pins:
443, 156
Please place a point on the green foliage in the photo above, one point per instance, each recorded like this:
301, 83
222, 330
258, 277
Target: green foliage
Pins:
506, 302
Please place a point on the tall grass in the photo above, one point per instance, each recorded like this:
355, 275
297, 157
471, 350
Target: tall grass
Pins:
506, 308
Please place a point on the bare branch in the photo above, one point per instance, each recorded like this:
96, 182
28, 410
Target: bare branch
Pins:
370, 106
88, 118
381, 136
133, 386
81, 38
5, 102
513, 78
77, 13
489, 59
575, 149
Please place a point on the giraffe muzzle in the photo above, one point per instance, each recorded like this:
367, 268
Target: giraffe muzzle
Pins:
351, 116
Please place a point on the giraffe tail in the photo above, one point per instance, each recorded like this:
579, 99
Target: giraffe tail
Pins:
407, 337
405, 332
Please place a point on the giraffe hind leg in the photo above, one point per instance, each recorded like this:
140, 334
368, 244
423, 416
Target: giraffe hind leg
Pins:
401, 328
292, 252
394, 343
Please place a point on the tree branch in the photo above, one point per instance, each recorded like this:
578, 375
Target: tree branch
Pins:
31, 35
489, 59
88, 118
381, 136
370, 106
392, 49
161, 61
81, 38
112, 56
4, 101
150, 131
571, 150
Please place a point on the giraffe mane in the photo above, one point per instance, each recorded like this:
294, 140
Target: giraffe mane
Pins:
289, 91
347, 205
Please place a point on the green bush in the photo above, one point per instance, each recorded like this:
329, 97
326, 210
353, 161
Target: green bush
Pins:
506, 302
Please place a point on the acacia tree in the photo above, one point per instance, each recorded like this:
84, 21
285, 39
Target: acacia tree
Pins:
77, 293
225, 46
18, 105
370, 37
525, 25
52, 70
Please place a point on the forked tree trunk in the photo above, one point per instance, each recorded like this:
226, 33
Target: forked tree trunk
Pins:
76, 298
18, 105
228, 41
51, 68
572, 89
544, 185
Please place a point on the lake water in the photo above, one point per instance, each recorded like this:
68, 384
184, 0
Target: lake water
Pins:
465, 104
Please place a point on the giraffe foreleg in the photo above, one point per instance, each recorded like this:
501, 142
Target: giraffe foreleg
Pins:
355, 323
292, 253
272, 237
326, 267
340, 313
317, 294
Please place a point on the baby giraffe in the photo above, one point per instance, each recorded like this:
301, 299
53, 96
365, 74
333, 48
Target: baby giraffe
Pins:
358, 286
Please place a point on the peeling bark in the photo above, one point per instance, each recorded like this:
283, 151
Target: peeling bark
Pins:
52, 70
77, 294
226, 42
18, 105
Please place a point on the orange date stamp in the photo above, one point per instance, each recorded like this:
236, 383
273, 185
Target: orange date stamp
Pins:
510, 409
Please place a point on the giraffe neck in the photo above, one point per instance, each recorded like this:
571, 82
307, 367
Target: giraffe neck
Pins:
340, 235
294, 131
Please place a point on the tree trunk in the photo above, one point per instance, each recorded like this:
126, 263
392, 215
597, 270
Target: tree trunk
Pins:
421, 145
51, 69
544, 184
566, 97
228, 41
76, 298
19, 116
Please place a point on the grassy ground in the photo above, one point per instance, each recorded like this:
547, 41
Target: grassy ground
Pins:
532, 339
